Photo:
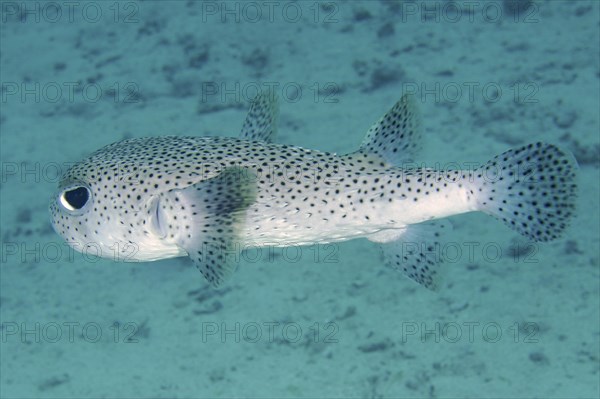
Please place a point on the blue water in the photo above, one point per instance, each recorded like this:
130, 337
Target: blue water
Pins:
512, 319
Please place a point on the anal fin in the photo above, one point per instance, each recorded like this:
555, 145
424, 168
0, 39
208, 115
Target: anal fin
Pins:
417, 252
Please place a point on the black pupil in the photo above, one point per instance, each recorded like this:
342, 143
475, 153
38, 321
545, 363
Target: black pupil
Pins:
78, 197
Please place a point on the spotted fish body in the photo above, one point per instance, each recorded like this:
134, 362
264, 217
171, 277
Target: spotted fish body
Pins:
203, 197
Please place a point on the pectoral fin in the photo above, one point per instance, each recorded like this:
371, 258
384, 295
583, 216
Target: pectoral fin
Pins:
210, 215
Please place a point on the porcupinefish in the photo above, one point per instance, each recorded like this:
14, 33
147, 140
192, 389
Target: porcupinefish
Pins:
200, 196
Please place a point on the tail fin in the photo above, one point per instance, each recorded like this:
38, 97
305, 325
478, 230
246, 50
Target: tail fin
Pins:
532, 189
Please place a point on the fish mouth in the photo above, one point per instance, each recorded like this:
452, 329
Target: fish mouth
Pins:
54, 212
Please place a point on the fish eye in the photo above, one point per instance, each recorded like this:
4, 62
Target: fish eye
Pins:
75, 198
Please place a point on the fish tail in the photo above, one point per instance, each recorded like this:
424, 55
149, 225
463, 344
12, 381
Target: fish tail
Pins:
532, 189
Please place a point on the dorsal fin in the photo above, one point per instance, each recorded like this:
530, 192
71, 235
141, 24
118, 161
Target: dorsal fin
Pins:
396, 136
261, 121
